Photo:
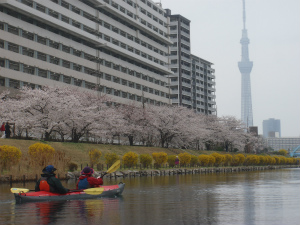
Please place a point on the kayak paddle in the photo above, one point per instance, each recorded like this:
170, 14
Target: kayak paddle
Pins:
90, 191
113, 168
94, 191
18, 190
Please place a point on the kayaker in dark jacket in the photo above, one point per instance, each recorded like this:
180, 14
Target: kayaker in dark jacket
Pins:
48, 181
87, 181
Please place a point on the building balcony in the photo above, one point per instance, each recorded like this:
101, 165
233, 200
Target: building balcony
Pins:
173, 57
175, 101
173, 31
211, 95
185, 26
186, 102
213, 83
174, 83
186, 51
174, 92
186, 67
185, 34
186, 43
186, 93
186, 84
212, 76
183, 58
186, 76
211, 89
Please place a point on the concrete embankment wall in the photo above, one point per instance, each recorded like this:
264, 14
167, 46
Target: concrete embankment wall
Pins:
161, 172
168, 172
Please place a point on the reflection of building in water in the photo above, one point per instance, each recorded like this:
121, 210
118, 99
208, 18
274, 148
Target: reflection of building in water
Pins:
287, 143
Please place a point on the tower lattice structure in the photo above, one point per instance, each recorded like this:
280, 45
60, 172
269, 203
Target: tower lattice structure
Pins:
245, 67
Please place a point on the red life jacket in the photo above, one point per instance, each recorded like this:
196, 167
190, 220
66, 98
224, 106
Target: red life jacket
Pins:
44, 186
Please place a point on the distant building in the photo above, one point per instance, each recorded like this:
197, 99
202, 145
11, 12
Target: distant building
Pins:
271, 128
253, 130
287, 143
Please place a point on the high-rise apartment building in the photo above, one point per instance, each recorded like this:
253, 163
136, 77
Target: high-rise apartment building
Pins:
119, 48
193, 82
271, 128
180, 60
203, 86
127, 50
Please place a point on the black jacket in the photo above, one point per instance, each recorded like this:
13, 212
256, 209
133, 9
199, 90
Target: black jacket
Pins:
55, 184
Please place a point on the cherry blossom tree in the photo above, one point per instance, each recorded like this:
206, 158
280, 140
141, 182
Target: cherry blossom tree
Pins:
213, 131
75, 114
170, 122
135, 120
200, 132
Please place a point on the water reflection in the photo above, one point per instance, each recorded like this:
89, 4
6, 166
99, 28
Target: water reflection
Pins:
257, 198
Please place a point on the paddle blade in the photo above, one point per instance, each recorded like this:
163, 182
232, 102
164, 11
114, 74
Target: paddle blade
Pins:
94, 191
18, 190
114, 167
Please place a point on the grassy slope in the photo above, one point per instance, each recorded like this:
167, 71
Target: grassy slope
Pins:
79, 151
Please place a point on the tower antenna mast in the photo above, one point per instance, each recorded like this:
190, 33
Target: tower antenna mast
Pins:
244, 15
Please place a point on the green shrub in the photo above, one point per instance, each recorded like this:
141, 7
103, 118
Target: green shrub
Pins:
111, 158
228, 159
283, 152
252, 160
184, 158
146, 160
212, 160
41, 154
219, 158
9, 155
159, 158
130, 159
238, 160
95, 156
194, 160
203, 160
171, 160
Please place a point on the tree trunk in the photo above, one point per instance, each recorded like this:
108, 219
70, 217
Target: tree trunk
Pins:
75, 136
130, 138
226, 147
26, 131
163, 140
47, 136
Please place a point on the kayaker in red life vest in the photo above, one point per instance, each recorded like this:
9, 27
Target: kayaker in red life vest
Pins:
48, 182
87, 181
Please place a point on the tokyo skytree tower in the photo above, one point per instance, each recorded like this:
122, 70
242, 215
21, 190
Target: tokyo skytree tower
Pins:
245, 67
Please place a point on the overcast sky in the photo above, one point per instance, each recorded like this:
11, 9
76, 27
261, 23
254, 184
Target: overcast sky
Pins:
274, 32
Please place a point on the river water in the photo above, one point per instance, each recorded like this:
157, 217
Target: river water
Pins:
250, 198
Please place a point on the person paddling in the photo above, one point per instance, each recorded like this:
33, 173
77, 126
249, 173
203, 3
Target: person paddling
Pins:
87, 181
48, 181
